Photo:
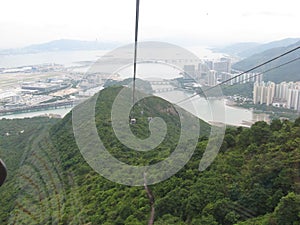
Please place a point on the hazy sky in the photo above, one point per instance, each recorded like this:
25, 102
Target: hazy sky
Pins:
210, 22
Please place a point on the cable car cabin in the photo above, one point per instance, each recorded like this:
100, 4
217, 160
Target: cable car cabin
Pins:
3, 172
133, 121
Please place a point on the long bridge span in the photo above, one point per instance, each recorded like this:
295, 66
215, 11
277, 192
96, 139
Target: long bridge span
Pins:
34, 108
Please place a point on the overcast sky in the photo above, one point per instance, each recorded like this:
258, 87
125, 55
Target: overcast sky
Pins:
198, 22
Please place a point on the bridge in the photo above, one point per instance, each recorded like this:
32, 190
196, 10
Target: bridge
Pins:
159, 86
165, 89
34, 108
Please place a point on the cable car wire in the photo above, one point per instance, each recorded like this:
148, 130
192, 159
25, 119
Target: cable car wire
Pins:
268, 70
135, 47
249, 70
3, 172
260, 65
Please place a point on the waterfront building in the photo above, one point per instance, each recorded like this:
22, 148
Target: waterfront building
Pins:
282, 95
263, 93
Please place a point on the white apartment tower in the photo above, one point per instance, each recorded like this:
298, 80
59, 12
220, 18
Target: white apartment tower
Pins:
211, 78
293, 99
284, 93
263, 93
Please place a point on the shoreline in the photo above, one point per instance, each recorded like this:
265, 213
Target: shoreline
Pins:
255, 115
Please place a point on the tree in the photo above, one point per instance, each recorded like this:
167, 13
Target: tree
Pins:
287, 211
276, 125
297, 122
209, 219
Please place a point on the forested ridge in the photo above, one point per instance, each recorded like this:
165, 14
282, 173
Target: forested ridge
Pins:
255, 178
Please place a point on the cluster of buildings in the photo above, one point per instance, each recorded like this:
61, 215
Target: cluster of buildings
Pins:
33, 92
285, 94
210, 73
43, 87
208, 68
213, 72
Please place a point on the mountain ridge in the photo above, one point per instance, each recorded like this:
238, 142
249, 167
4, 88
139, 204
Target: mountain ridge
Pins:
62, 45
290, 72
247, 49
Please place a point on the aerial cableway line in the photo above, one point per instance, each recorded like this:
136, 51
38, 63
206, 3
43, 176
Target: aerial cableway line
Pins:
249, 70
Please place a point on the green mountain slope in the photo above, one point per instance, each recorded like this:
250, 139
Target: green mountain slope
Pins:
274, 44
19, 139
254, 179
244, 49
290, 72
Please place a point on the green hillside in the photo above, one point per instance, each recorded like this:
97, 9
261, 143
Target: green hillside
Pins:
254, 179
19, 140
247, 49
290, 72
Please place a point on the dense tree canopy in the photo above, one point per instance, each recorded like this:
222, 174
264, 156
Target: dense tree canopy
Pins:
253, 180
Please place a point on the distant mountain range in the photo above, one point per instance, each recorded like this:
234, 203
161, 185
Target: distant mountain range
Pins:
290, 72
62, 45
246, 49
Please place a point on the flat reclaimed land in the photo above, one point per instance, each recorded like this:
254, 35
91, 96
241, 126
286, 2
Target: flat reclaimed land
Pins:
9, 80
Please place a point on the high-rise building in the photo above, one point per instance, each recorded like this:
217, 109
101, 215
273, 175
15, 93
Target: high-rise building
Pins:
226, 76
270, 93
257, 77
297, 106
293, 99
284, 94
256, 93
211, 78
246, 77
263, 93
224, 65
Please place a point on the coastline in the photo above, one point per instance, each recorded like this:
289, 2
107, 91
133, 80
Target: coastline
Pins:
255, 116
